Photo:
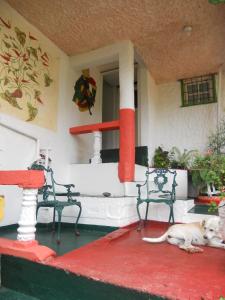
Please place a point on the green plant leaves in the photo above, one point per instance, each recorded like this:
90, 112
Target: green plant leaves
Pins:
6, 80
47, 80
174, 159
6, 44
217, 139
32, 77
33, 52
161, 158
21, 36
209, 169
181, 160
9, 98
32, 111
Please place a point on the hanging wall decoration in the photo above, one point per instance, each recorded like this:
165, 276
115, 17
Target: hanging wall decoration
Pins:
85, 92
27, 74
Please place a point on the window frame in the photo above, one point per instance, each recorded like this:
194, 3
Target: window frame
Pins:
214, 96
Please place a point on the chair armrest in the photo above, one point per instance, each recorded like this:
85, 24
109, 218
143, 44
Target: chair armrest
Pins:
139, 186
65, 185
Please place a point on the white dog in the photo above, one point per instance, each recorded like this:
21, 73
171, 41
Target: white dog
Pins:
206, 233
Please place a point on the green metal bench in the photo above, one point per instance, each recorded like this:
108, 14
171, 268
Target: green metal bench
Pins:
159, 187
50, 197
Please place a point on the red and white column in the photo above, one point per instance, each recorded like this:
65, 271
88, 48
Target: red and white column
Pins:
127, 114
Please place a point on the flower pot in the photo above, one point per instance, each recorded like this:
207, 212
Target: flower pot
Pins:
208, 199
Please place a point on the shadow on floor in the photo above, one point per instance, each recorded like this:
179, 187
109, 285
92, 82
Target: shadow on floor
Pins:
69, 241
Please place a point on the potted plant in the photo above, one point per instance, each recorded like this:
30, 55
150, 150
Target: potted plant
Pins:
181, 160
175, 159
161, 158
209, 170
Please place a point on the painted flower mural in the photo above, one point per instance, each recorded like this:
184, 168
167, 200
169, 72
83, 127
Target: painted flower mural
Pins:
24, 69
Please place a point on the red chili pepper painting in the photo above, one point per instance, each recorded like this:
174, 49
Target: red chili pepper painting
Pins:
24, 69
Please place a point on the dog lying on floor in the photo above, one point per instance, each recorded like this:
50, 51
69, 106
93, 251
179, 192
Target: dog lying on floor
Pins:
185, 236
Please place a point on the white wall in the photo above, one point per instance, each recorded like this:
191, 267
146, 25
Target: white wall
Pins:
165, 123
184, 127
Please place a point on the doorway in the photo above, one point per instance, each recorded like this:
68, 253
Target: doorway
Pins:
111, 105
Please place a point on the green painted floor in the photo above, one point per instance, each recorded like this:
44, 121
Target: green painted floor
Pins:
69, 241
7, 294
202, 209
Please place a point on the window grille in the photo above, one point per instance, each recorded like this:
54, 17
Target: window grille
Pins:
198, 90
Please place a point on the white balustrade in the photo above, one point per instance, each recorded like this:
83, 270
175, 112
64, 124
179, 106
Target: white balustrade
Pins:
96, 159
27, 221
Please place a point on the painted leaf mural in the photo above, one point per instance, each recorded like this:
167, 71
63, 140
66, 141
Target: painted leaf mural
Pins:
24, 69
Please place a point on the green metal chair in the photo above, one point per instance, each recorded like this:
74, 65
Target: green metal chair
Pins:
50, 197
159, 187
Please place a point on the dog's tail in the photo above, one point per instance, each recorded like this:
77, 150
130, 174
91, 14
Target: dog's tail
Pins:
156, 240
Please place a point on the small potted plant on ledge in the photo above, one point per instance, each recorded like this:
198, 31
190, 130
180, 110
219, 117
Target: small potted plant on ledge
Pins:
161, 158
178, 160
173, 159
181, 160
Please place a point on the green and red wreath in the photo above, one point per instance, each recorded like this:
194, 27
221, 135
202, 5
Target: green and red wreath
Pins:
85, 92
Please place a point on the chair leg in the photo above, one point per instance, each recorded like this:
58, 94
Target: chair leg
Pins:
171, 216
139, 216
78, 217
146, 213
172, 213
53, 224
37, 211
59, 211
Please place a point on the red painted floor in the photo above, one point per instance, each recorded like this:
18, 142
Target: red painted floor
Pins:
123, 259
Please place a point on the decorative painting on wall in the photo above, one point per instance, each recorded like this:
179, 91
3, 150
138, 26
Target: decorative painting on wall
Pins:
27, 75
85, 92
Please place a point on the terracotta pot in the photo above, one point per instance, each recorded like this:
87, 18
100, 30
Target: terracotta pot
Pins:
208, 200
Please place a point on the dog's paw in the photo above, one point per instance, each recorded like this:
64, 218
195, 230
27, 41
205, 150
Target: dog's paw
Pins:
191, 249
195, 250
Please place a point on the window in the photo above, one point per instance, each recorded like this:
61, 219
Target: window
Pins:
198, 90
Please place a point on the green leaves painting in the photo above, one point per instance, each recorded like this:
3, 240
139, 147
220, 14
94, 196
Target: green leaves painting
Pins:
21, 36
24, 69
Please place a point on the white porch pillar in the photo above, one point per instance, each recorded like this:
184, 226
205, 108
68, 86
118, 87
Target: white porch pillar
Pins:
127, 113
27, 221
96, 159
126, 76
